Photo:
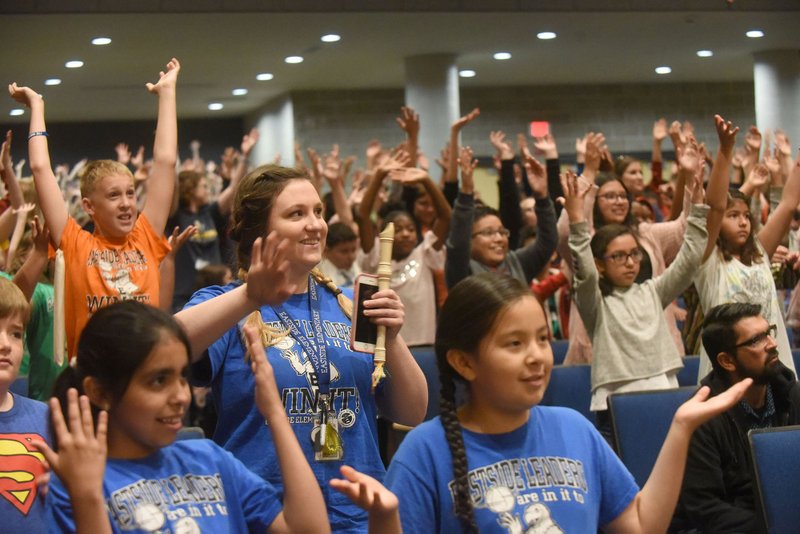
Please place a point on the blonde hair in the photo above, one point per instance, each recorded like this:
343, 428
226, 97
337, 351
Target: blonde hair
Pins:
13, 302
96, 170
271, 335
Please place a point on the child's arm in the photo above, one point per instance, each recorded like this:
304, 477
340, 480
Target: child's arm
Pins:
717, 194
459, 238
36, 262
50, 198
161, 183
9, 177
369, 494
225, 200
536, 256
366, 230
777, 225
585, 279
652, 508
19, 230
303, 506
413, 175
166, 271
80, 461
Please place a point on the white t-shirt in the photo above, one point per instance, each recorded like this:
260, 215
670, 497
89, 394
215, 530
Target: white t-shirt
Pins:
720, 282
412, 279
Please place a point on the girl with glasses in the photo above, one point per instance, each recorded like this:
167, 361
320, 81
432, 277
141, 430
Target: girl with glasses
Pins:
624, 318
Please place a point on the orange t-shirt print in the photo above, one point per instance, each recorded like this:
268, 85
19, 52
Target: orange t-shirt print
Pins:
100, 271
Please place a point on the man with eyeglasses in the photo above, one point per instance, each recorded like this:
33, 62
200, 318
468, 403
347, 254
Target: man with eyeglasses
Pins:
717, 493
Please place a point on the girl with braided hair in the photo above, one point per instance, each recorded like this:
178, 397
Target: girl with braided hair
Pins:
304, 322
501, 463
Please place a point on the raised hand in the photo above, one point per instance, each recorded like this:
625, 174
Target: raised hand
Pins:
773, 165
5, 151
537, 174
249, 140
81, 458
166, 80
595, 146
573, 197
178, 238
660, 130
23, 95
546, 145
467, 164
138, 160
466, 119
759, 176
726, 133
366, 493
374, 150
700, 408
753, 140
123, 153
689, 156
408, 175
409, 121
399, 158
676, 134
503, 148
782, 144
268, 279
580, 149
40, 236
331, 165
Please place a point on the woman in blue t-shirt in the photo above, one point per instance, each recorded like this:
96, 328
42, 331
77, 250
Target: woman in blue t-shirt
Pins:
501, 463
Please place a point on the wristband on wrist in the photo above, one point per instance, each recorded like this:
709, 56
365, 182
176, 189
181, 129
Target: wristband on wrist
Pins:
34, 134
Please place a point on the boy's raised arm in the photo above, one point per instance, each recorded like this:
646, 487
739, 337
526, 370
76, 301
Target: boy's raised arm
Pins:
50, 197
165, 149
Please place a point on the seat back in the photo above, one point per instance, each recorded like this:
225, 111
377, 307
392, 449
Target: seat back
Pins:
426, 359
639, 423
688, 375
777, 471
560, 347
570, 386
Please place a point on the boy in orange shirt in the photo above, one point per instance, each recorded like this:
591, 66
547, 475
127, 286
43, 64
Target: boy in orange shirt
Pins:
120, 260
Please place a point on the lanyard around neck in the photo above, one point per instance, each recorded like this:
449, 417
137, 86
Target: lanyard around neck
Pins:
316, 351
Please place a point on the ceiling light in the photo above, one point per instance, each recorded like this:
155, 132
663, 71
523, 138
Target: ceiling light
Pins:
754, 34
239, 92
294, 59
663, 70
501, 56
52, 81
466, 73
546, 35
100, 41
331, 38
215, 106
74, 64
264, 76
704, 53
16, 112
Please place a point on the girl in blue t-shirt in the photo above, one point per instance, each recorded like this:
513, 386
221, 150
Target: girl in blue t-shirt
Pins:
514, 466
130, 474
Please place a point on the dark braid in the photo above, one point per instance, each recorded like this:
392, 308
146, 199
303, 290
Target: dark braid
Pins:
455, 441
465, 319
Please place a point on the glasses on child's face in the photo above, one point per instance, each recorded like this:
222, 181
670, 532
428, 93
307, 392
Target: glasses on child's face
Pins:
491, 232
621, 258
611, 197
758, 340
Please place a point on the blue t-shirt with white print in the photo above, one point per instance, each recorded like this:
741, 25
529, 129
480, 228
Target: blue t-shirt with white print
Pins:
554, 474
240, 427
190, 486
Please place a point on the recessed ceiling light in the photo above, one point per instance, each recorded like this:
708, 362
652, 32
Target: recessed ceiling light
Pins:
501, 56
546, 35
241, 91
215, 106
704, 53
264, 76
663, 70
100, 41
52, 81
466, 73
74, 64
331, 38
294, 59
754, 34
16, 112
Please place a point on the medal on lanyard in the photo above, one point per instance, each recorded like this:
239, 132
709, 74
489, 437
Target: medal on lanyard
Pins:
325, 434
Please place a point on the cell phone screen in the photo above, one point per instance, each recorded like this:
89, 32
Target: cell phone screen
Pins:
366, 332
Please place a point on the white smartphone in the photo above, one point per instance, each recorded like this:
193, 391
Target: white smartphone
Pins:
363, 333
